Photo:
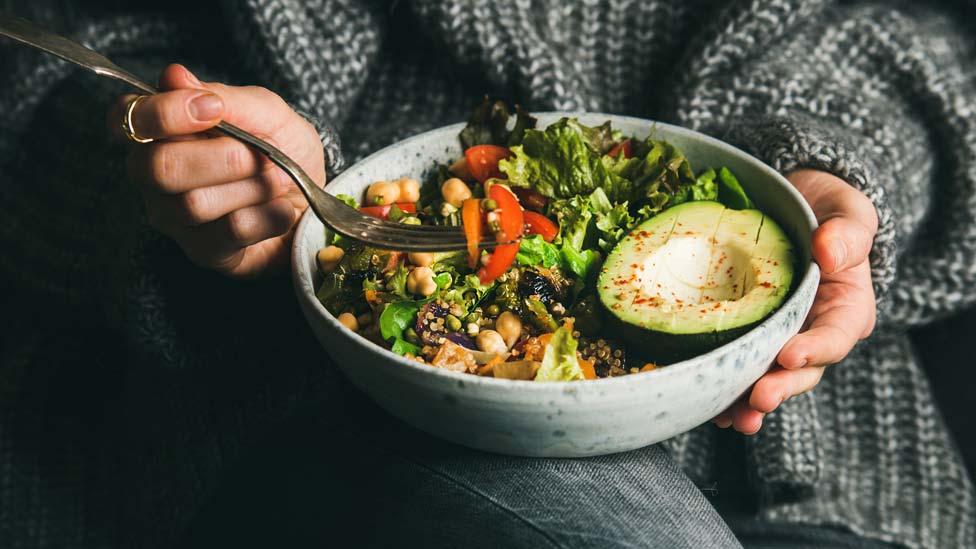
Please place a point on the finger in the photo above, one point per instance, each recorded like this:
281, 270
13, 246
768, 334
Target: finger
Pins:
842, 315
205, 204
255, 108
181, 166
171, 113
841, 243
778, 385
746, 420
211, 244
723, 420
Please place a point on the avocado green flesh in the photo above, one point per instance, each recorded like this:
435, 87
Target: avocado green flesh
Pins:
696, 276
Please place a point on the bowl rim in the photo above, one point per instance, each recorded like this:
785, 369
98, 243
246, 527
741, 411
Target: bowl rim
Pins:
810, 277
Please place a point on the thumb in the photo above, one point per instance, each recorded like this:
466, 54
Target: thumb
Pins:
840, 244
848, 220
176, 76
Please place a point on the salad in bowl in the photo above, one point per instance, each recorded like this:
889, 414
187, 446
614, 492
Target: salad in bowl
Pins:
615, 255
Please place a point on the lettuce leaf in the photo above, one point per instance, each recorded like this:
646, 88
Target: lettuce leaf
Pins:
731, 193
613, 221
488, 125
580, 263
348, 200
536, 251
704, 188
402, 347
467, 292
559, 363
397, 317
560, 162
573, 216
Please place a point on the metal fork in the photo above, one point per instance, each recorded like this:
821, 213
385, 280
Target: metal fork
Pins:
332, 211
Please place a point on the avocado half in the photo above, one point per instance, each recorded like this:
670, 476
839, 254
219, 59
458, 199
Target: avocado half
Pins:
694, 277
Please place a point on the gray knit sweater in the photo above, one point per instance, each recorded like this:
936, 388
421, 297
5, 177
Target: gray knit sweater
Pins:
111, 431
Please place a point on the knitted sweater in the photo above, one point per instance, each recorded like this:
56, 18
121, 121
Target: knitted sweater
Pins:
128, 377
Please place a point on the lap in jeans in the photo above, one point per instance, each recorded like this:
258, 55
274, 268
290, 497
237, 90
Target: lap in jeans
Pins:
376, 482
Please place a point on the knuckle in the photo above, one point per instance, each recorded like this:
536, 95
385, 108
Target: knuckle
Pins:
237, 227
195, 206
266, 96
239, 160
164, 166
278, 181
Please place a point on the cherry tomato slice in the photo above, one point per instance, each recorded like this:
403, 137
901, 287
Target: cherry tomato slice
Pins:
499, 262
624, 146
483, 160
531, 200
383, 212
537, 223
510, 216
471, 220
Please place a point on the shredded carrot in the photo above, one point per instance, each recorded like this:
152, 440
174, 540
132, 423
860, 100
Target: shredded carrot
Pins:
488, 368
648, 367
589, 372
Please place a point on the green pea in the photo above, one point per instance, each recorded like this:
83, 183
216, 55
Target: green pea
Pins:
489, 205
453, 323
493, 310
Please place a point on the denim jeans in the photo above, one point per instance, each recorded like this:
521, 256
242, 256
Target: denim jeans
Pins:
379, 483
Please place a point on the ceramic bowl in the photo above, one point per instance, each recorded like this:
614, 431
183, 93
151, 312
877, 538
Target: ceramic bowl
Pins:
573, 418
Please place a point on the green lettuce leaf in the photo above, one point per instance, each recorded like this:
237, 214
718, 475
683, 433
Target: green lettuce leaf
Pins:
488, 125
402, 347
731, 193
612, 220
535, 251
348, 200
397, 284
467, 292
573, 216
600, 138
397, 317
559, 162
580, 263
560, 362
704, 188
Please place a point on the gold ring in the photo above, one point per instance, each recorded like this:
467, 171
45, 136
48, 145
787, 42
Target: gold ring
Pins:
127, 128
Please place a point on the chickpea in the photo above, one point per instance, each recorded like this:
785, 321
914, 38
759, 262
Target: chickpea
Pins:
491, 341
421, 281
455, 192
509, 325
328, 257
421, 259
349, 321
381, 193
409, 189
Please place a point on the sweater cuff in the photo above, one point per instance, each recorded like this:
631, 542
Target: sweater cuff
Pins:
789, 144
334, 162
786, 456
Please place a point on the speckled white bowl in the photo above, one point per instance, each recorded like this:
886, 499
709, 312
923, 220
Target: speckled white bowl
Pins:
562, 419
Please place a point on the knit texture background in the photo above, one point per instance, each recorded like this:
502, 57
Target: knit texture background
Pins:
129, 378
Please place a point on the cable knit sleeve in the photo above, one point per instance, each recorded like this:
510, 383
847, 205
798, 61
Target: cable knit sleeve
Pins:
879, 97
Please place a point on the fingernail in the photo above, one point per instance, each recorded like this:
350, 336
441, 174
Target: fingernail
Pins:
191, 77
839, 251
206, 107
